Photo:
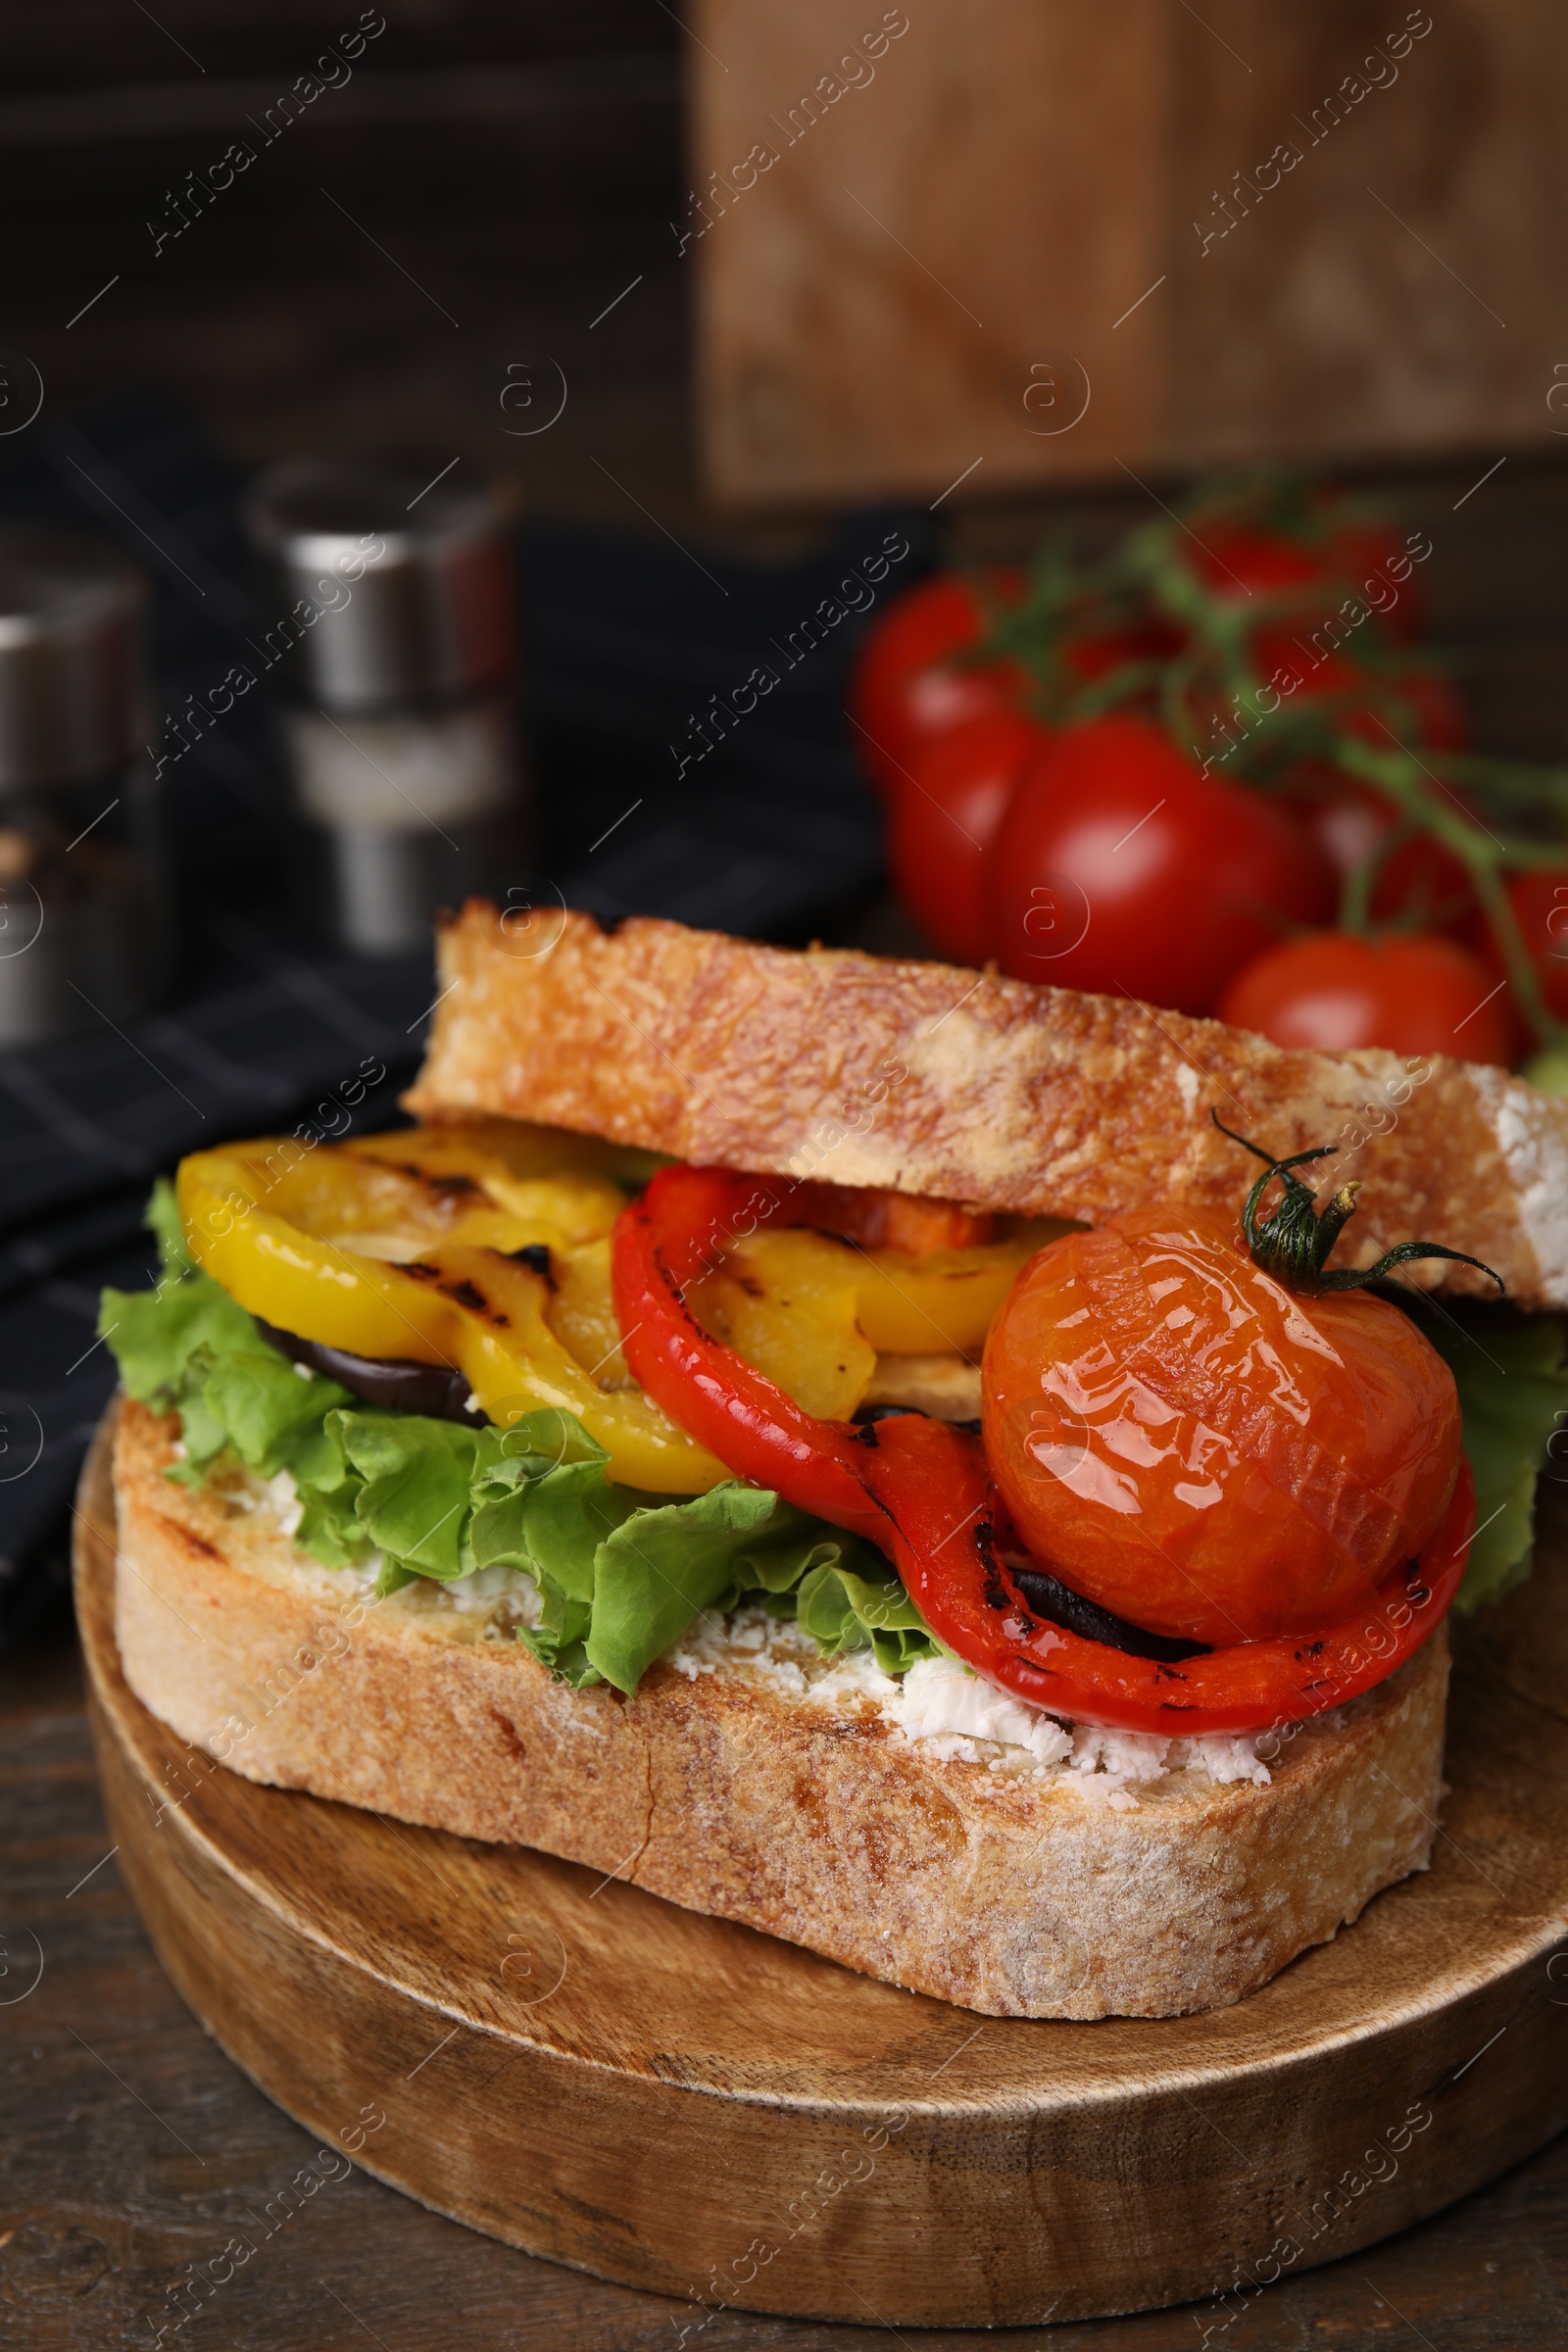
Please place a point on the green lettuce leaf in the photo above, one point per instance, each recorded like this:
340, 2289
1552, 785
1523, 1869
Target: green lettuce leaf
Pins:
1512, 1380
621, 1574
168, 1227
273, 1419
329, 1528
154, 1334
565, 1517
661, 1568
188, 1347
418, 1492
844, 1610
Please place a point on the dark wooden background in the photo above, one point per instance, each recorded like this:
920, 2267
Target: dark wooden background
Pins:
522, 163
518, 160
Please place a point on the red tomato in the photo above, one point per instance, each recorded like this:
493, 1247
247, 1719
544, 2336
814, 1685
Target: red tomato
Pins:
1420, 994
1090, 657
1263, 563
1540, 903
906, 690
1359, 555
1436, 715
1246, 563
1432, 713
1118, 867
942, 824
1202, 1451
1420, 881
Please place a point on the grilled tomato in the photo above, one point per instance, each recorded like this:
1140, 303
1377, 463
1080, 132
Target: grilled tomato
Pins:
1201, 1450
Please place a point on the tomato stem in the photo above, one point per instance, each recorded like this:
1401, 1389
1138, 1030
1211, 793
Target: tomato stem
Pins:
1293, 1241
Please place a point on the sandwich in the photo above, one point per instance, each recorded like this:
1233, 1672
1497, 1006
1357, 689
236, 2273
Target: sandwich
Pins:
968, 1477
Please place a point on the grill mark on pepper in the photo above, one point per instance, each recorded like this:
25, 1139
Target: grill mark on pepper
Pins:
450, 1188
464, 1293
535, 1256
461, 1293
1062, 1605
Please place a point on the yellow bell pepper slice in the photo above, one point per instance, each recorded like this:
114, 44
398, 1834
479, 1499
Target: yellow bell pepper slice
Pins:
788, 1301
921, 1305
245, 1211
403, 1246
449, 1182
507, 1151
581, 1313
514, 1362
815, 1312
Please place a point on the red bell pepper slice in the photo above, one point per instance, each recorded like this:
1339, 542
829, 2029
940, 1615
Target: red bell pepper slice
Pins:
919, 1490
678, 1231
966, 1595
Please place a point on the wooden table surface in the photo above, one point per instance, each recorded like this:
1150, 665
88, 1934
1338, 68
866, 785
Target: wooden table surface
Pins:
132, 2148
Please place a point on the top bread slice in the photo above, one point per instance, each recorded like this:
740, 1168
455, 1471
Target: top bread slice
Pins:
968, 1087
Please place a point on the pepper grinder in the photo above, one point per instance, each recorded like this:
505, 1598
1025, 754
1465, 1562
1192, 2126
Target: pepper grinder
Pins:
85, 915
392, 617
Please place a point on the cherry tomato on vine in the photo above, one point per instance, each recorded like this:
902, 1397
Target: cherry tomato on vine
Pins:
1119, 867
1202, 1451
1360, 551
1416, 993
1540, 903
1346, 563
1232, 562
1419, 881
1418, 705
1400, 705
1090, 655
906, 689
944, 819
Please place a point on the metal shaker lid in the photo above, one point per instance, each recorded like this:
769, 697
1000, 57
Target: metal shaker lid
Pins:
409, 579
73, 700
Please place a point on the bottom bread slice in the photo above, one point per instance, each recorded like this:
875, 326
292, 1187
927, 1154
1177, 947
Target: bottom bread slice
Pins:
786, 1795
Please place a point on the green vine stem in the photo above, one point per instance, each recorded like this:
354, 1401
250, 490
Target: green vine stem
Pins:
1400, 778
1355, 903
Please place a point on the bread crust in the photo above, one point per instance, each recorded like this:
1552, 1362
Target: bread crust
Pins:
970, 1087
827, 1827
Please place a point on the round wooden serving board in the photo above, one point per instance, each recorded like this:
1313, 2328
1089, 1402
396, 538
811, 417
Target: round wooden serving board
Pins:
692, 2108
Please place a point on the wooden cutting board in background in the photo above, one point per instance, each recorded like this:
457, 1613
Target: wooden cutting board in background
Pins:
967, 222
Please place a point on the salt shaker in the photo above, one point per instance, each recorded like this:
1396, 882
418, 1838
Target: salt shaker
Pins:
84, 913
391, 616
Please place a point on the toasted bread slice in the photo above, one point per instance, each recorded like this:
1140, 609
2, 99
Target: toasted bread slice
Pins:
968, 1087
783, 1792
